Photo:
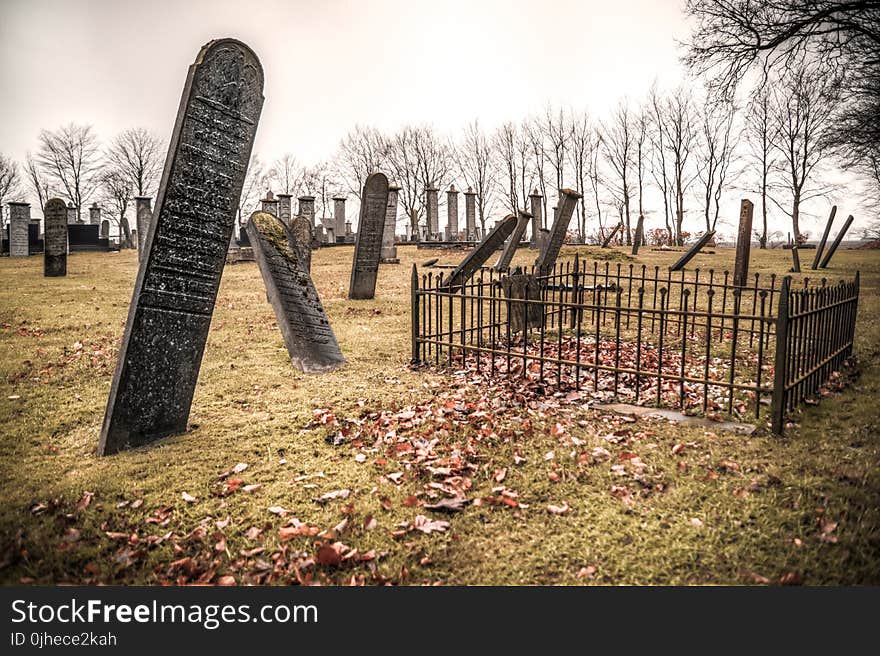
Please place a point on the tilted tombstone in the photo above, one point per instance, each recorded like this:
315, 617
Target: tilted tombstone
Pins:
821, 247
477, 257
304, 325
388, 254
546, 259
692, 251
143, 218
640, 235
368, 248
185, 248
743, 244
610, 236
55, 238
301, 241
513, 243
836, 243
795, 259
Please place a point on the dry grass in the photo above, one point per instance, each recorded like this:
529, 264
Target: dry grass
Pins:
803, 508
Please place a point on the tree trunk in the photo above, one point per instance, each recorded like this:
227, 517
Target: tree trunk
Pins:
414, 224
125, 237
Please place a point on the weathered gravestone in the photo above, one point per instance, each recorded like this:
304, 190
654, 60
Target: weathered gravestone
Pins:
836, 243
512, 244
522, 315
185, 248
536, 207
692, 251
546, 259
307, 334
795, 259
105, 229
368, 248
743, 243
143, 218
610, 236
477, 257
640, 235
388, 255
300, 237
55, 238
821, 247
19, 219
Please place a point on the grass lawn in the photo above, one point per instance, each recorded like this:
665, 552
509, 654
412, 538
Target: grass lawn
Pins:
340, 467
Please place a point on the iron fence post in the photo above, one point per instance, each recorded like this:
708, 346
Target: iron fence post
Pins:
779, 364
414, 313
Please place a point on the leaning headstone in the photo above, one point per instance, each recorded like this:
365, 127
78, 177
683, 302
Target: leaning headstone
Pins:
610, 236
304, 325
743, 244
477, 257
105, 229
522, 315
795, 260
543, 238
388, 254
19, 218
536, 206
836, 243
55, 238
692, 251
301, 241
367, 249
143, 218
821, 247
185, 248
546, 259
640, 235
513, 243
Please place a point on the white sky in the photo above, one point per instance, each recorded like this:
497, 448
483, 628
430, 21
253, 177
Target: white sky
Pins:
333, 63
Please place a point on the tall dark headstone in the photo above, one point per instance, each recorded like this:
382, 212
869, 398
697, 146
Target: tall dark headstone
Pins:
547, 257
368, 247
640, 235
821, 247
301, 241
836, 243
55, 238
610, 236
692, 251
513, 243
185, 248
477, 257
307, 333
743, 243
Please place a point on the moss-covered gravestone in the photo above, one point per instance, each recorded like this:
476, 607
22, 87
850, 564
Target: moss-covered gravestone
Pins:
185, 248
307, 333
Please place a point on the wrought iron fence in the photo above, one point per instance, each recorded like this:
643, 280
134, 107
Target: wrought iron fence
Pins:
690, 340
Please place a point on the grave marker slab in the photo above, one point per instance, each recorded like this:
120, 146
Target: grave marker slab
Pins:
55, 238
522, 315
640, 235
547, 257
185, 248
836, 243
477, 257
513, 243
608, 239
307, 333
692, 251
821, 247
368, 247
389, 250
743, 243
19, 218
143, 218
795, 259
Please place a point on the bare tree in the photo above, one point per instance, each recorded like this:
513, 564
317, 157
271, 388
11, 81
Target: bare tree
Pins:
361, 152
321, 182
136, 154
594, 175
734, 36
760, 134
254, 180
554, 128
9, 182
717, 144
117, 187
618, 136
802, 110
37, 180
70, 157
534, 147
659, 169
472, 156
287, 173
581, 152
678, 123
640, 143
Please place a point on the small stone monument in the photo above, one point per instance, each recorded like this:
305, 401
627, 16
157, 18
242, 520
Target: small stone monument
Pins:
452, 214
307, 208
433, 212
55, 238
470, 214
72, 214
19, 218
105, 229
284, 208
388, 254
143, 218
367, 250
744, 244
536, 205
95, 215
513, 243
270, 203
339, 217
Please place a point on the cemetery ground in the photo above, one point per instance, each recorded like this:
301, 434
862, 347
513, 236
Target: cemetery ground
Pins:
286, 477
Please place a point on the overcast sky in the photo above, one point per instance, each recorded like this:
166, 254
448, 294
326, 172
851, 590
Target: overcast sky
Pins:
330, 64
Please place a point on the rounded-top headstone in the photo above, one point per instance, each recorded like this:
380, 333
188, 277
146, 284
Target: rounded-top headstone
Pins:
55, 238
368, 247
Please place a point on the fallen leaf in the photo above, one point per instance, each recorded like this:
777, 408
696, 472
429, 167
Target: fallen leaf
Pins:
426, 525
559, 510
188, 497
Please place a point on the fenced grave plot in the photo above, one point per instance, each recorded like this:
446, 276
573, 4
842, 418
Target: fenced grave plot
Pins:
691, 341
